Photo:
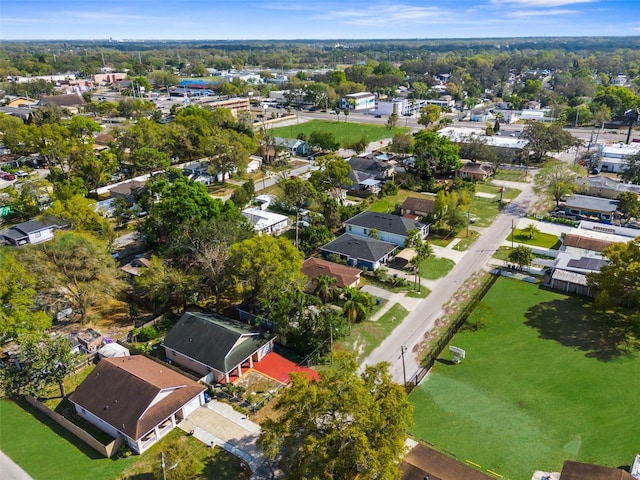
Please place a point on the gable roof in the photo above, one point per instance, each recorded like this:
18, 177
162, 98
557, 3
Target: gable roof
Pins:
316, 267
367, 165
21, 231
418, 204
124, 392
128, 187
585, 243
384, 222
69, 100
354, 246
215, 341
582, 471
424, 462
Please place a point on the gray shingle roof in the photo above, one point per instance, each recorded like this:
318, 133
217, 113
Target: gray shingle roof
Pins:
595, 204
384, 222
363, 248
218, 342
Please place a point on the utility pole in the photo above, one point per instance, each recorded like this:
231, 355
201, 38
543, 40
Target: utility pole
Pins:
164, 473
403, 349
512, 234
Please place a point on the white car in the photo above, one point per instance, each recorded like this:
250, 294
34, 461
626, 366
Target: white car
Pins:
21, 173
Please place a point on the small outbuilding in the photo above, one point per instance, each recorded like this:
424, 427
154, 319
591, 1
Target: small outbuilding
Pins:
113, 350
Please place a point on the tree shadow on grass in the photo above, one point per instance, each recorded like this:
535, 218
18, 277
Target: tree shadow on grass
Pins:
577, 324
61, 431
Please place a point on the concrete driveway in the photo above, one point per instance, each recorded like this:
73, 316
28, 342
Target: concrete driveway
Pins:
216, 423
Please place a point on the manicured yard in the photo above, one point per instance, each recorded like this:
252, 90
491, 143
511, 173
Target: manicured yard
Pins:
486, 209
544, 381
433, 267
45, 450
344, 132
367, 335
388, 204
539, 239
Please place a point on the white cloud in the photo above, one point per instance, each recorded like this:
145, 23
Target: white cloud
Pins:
533, 13
392, 15
541, 3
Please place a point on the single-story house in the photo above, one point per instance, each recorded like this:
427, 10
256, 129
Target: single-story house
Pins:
475, 171
423, 462
138, 264
127, 190
137, 399
602, 186
364, 182
71, 101
586, 243
415, 207
266, 222
358, 251
379, 166
593, 207
584, 471
568, 272
294, 146
390, 228
31, 231
215, 347
315, 267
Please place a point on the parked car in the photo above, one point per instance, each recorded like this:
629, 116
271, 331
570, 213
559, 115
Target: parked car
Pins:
7, 176
377, 116
21, 174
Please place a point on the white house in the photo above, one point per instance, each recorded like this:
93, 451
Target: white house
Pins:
613, 157
137, 399
359, 101
266, 222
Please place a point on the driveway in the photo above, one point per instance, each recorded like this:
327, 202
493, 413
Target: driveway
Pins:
216, 423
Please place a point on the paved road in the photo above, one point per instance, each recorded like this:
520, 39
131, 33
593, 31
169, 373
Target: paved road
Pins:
411, 331
10, 471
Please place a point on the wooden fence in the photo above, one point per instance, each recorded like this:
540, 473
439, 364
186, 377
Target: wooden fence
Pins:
107, 450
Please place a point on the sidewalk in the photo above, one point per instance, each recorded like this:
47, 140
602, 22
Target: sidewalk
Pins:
9, 470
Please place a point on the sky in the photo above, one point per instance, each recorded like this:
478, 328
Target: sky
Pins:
313, 19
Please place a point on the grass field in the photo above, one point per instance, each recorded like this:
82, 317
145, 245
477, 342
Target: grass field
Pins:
367, 335
539, 239
47, 451
544, 381
433, 268
486, 209
388, 204
344, 132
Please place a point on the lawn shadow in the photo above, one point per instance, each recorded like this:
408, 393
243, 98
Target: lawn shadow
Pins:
61, 431
444, 361
576, 324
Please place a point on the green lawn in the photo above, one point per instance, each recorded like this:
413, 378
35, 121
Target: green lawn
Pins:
45, 450
367, 335
486, 209
433, 268
539, 239
344, 132
544, 381
388, 204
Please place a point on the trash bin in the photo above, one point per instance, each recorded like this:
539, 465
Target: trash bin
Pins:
378, 301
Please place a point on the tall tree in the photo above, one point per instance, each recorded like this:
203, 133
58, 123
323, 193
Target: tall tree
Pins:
544, 139
429, 114
631, 174
345, 426
332, 175
18, 312
297, 193
76, 266
557, 179
165, 287
80, 213
146, 160
434, 152
263, 267
356, 304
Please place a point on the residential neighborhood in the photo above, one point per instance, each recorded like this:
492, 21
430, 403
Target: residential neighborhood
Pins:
342, 261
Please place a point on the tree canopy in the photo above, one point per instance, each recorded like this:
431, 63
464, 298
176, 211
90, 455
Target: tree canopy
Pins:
557, 179
344, 426
545, 138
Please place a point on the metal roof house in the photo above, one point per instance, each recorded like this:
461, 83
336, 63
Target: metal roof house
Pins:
215, 347
32, 231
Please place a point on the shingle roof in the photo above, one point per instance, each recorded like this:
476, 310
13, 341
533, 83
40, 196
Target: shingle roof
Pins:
367, 165
121, 392
417, 204
69, 100
596, 204
218, 342
384, 222
363, 248
424, 462
586, 243
585, 471
316, 267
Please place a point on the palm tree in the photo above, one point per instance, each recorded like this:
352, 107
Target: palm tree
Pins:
356, 304
423, 250
532, 230
325, 287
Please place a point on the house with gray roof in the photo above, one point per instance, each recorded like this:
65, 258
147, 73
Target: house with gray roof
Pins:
215, 347
390, 228
294, 146
602, 186
357, 251
602, 209
32, 231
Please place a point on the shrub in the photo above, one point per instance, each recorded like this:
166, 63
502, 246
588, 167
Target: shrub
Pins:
145, 334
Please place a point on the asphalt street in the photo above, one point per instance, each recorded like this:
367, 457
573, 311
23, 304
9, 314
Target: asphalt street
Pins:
411, 332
